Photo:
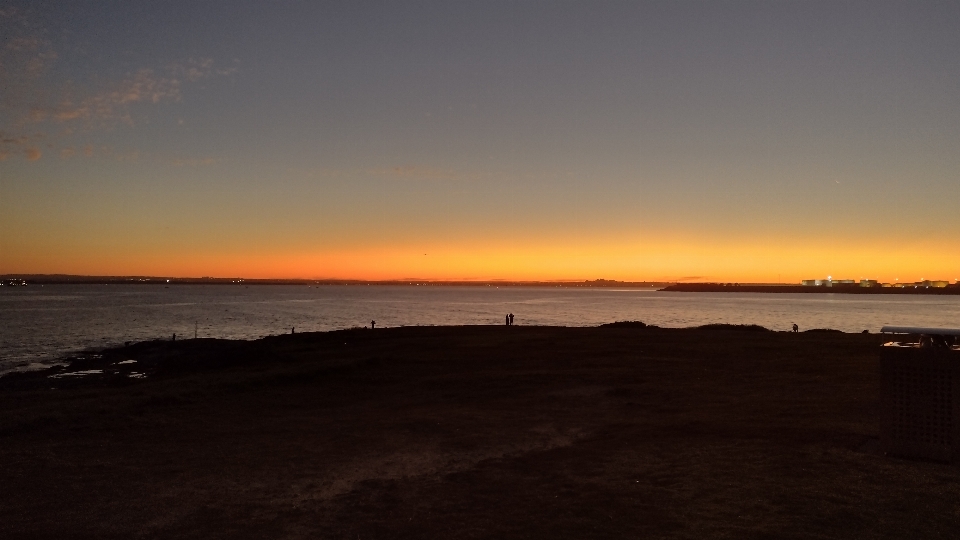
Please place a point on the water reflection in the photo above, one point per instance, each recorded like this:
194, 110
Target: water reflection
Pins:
44, 322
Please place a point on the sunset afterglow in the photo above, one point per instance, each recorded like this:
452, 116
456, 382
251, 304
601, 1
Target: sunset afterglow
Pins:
659, 141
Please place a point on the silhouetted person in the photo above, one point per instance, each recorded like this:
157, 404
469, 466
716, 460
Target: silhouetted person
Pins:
174, 337
293, 329
373, 324
506, 319
796, 328
511, 319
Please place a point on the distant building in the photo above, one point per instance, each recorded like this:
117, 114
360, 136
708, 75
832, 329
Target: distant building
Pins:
829, 282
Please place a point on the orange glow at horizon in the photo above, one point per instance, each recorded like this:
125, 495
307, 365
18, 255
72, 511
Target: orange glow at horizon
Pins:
636, 141
673, 259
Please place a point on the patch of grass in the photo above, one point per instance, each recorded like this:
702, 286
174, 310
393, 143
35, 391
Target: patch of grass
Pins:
736, 327
626, 324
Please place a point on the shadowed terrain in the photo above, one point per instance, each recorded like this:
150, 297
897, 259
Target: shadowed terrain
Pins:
467, 432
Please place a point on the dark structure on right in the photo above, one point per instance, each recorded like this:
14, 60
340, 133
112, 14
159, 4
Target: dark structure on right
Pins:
920, 394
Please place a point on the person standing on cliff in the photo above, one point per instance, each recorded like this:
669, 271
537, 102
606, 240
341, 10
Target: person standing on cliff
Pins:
796, 328
511, 319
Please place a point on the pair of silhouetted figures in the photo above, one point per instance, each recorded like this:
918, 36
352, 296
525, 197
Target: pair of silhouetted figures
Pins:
509, 319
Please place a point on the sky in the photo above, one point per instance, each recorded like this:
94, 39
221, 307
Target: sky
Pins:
661, 141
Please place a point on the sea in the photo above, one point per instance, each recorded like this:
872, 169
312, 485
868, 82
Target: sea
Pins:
42, 325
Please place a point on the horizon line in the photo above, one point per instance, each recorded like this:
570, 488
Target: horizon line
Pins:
78, 278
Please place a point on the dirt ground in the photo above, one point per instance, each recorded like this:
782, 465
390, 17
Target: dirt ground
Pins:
467, 432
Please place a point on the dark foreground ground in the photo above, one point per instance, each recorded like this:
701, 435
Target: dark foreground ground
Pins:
468, 432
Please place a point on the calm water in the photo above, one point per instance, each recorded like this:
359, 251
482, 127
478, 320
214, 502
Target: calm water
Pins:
40, 324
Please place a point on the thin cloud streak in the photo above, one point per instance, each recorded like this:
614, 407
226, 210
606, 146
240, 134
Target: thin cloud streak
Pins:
103, 109
112, 103
36, 97
424, 173
193, 162
415, 172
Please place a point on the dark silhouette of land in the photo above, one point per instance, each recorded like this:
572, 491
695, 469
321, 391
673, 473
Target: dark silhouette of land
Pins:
624, 431
835, 289
60, 279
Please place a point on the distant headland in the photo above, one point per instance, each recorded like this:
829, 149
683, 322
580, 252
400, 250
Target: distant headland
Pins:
864, 287
807, 286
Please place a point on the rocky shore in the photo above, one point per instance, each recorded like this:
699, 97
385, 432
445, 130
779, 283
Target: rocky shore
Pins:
623, 431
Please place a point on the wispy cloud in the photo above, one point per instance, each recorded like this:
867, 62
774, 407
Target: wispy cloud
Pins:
32, 54
132, 156
415, 172
112, 102
193, 162
37, 99
408, 172
195, 69
109, 104
421, 172
25, 57
14, 141
28, 145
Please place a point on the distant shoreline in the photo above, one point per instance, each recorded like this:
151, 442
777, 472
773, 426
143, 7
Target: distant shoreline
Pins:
808, 289
58, 279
